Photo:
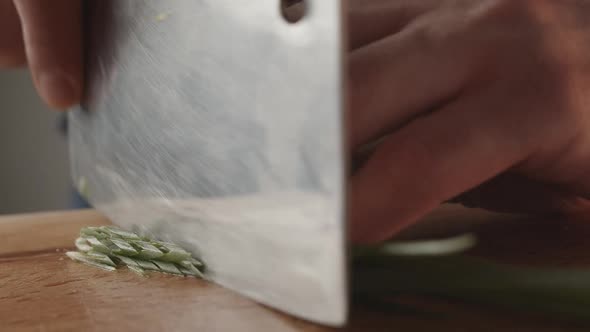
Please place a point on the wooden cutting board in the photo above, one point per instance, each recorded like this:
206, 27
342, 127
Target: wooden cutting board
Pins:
42, 290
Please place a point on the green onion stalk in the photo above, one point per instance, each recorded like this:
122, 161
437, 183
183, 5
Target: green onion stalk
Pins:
440, 269
109, 248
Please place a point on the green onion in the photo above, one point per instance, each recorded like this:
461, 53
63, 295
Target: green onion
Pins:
147, 265
175, 254
146, 250
381, 275
420, 248
82, 244
99, 257
123, 248
119, 233
137, 270
109, 247
103, 246
92, 231
187, 267
167, 267
126, 260
196, 262
80, 257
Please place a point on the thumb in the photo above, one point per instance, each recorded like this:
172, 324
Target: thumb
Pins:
52, 33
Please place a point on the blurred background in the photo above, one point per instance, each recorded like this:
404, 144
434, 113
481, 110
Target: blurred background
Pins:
34, 172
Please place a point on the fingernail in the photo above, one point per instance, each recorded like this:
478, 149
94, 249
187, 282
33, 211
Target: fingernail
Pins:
58, 89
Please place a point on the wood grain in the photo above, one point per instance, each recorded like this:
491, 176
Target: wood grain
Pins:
30, 233
40, 290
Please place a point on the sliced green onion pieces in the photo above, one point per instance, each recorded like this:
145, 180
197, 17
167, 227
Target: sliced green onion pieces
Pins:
147, 265
147, 250
110, 247
100, 258
123, 248
119, 233
175, 254
126, 260
167, 267
82, 245
104, 246
81, 257
137, 270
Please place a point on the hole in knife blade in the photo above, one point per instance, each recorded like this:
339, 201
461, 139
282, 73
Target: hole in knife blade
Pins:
293, 10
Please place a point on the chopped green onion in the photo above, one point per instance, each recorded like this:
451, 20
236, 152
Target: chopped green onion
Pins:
126, 260
120, 233
164, 245
123, 248
193, 272
187, 267
175, 254
100, 257
167, 267
103, 246
93, 231
146, 250
196, 262
82, 244
147, 265
107, 247
137, 270
80, 257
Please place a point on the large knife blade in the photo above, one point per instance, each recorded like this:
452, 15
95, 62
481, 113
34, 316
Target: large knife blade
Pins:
218, 125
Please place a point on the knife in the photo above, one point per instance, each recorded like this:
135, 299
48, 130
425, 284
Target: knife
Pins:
218, 125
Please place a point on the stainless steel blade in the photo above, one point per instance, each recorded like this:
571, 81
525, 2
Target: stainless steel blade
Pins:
218, 125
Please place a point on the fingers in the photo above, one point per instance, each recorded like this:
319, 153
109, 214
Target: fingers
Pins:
403, 76
53, 44
511, 192
12, 50
369, 21
429, 161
